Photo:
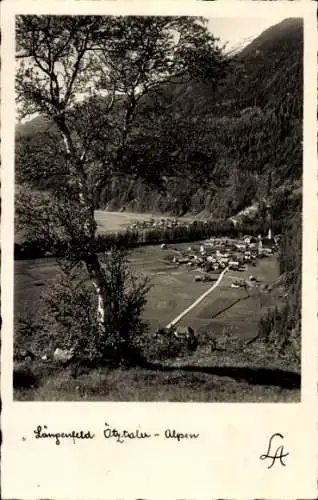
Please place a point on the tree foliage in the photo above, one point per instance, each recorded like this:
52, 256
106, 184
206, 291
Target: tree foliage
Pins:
122, 59
65, 317
186, 144
87, 75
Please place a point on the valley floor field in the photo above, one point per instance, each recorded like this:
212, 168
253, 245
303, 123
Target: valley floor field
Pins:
111, 222
108, 222
233, 372
173, 290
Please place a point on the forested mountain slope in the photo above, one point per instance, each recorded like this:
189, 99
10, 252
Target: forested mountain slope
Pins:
199, 148
195, 147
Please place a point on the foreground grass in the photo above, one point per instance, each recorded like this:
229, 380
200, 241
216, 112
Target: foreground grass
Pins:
154, 386
250, 374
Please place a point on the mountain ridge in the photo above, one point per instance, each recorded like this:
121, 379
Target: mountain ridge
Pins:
289, 27
245, 134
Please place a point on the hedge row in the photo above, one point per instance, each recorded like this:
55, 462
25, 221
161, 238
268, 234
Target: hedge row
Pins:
197, 230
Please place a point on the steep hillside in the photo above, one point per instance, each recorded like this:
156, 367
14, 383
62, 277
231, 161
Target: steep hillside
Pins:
272, 67
266, 71
198, 148
247, 133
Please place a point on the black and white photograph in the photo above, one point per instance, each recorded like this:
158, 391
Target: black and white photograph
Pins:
158, 250
158, 208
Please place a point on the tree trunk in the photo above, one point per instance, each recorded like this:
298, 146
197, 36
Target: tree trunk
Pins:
100, 306
95, 274
76, 165
85, 199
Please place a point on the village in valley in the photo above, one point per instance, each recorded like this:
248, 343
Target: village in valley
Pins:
217, 254
200, 267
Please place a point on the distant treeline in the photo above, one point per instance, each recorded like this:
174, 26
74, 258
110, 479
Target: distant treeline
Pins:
130, 238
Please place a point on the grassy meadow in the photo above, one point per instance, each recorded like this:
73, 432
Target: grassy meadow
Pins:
224, 367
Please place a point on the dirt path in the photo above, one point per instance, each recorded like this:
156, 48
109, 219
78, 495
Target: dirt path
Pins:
198, 300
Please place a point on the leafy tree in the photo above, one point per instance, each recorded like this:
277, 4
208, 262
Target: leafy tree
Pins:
193, 134
71, 304
87, 74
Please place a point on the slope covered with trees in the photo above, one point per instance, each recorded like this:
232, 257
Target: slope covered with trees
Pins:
217, 135
200, 147
113, 63
222, 149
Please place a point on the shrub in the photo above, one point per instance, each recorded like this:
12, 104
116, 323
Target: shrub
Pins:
71, 316
161, 348
280, 329
165, 345
32, 337
69, 320
124, 295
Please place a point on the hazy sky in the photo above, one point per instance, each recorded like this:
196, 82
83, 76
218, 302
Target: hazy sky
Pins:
233, 30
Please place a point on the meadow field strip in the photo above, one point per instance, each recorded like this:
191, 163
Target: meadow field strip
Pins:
108, 222
173, 291
214, 375
198, 300
231, 308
